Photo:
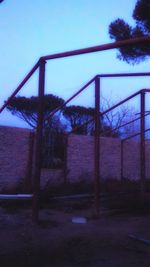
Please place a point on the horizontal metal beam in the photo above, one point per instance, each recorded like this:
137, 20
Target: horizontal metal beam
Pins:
129, 122
134, 135
20, 86
79, 52
108, 110
136, 74
120, 103
146, 90
98, 48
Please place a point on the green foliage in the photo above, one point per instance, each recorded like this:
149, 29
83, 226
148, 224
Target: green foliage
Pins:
120, 30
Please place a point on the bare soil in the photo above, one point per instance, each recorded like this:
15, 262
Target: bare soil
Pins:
58, 242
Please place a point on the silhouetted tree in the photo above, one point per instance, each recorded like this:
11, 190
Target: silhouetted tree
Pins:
27, 108
81, 120
118, 117
53, 138
120, 30
78, 116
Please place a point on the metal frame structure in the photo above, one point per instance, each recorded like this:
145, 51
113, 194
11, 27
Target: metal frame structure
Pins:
143, 114
142, 132
41, 65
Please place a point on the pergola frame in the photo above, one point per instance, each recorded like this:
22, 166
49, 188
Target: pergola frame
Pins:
38, 148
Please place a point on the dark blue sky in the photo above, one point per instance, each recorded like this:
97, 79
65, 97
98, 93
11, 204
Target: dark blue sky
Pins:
30, 29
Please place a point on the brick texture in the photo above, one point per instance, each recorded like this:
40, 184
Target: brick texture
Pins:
14, 153
80, 158
15, 156
14, 161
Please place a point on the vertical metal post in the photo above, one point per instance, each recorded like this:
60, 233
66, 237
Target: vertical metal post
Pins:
28, 180
121, 148
142, 145
97, 146
38, 144
65, 138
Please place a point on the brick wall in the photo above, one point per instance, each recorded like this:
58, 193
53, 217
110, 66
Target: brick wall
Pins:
14, 154
15, 159
131, 160
80, 158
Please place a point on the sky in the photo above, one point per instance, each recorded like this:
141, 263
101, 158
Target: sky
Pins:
31, 29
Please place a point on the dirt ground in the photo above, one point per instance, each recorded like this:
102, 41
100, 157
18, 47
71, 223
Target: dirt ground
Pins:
56, 241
